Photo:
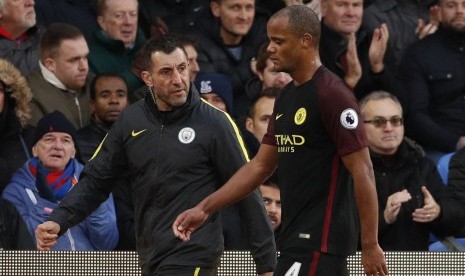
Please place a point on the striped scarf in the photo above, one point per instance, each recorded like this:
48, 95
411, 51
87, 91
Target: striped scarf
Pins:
53, 186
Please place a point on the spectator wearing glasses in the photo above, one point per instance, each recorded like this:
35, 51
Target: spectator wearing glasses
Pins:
412, 199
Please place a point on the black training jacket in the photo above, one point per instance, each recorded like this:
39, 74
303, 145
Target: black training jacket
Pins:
174, 160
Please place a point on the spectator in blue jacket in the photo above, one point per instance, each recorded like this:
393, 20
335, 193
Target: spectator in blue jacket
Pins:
45, 179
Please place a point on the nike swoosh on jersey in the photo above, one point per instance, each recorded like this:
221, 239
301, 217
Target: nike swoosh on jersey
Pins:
134, 133
278, 116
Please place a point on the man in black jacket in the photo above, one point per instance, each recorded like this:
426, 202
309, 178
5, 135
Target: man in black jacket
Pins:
434, 76
412, 198
359, 58
108, 98
13, 231
176, 149
456, 179
228, 37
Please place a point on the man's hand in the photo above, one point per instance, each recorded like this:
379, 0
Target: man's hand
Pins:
460, 143
430, 210
46, 235
378, 48
393, 204
373, 260
424, 29
354, 69
188, 222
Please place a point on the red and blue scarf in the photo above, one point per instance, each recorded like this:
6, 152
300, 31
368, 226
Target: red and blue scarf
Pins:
53, 186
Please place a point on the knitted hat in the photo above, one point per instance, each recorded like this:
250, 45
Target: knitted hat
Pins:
53, 122
216, 83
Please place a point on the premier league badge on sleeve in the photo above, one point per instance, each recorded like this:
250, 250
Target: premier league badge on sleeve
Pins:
349, 118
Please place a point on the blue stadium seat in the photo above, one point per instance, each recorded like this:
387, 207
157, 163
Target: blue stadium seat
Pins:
455, 244
443, 166
448, 244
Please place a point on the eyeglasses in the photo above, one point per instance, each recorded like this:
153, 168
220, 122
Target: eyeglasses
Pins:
381, 122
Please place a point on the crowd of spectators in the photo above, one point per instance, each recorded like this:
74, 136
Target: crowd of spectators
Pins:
76, 65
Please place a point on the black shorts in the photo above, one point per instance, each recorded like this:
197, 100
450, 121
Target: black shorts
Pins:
185, 271
318, 264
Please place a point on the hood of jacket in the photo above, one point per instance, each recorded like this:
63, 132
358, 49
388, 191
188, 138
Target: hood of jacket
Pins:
18, 95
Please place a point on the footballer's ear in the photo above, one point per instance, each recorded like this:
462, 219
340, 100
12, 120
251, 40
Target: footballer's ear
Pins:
307, 41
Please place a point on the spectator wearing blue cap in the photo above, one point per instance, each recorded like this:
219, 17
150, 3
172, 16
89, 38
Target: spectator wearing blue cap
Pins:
216, 89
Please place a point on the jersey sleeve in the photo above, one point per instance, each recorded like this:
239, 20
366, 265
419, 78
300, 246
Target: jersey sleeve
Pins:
342, 118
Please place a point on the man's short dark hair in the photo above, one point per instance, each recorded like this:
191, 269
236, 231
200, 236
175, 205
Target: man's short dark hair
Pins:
302, 20
262, 57
186, 40
271, 92
165, 44
54, 35
272, 181
93, 90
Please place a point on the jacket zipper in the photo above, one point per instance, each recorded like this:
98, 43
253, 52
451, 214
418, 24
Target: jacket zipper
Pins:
71, 240
79, 109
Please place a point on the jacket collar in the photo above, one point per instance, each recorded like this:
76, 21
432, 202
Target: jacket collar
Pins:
100, 128
336, 43
453, 39
408, 152
117, 46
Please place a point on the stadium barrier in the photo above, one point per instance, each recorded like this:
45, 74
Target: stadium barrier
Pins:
233, 263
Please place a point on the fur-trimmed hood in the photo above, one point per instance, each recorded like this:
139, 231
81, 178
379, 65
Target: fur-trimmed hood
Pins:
17, 89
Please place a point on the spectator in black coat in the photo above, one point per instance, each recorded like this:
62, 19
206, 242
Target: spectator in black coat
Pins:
411, 196
109, 97
228, 38
15, 132
433, 73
